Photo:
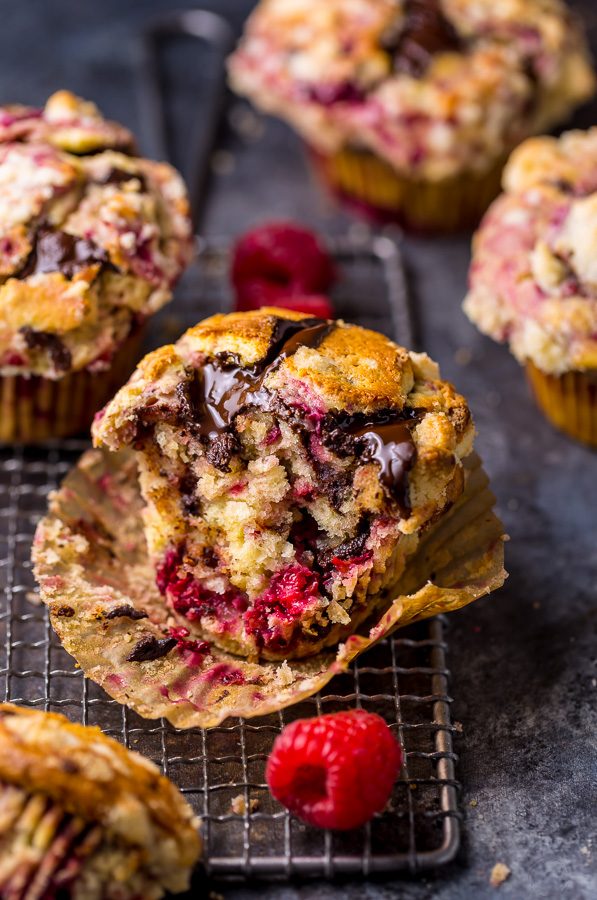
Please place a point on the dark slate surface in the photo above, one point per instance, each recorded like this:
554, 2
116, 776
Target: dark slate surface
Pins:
524, 661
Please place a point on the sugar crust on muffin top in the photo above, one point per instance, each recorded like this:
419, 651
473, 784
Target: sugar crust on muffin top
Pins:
435, 87
533, 276
288, 466
92, 239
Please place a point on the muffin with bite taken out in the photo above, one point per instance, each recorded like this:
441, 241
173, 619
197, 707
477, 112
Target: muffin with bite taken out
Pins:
289, 466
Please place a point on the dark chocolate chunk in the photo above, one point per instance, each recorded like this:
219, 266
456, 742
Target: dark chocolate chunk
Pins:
191, 504
150, 648
351, 548
427, 31
340, 443
57, 251
331, 481
120, 176
51, 344
126, 611
66, 612
221, 449
209, 558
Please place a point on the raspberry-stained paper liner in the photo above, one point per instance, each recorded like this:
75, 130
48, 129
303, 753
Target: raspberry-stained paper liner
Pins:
35, 409
569, 401
374, 188
90, 559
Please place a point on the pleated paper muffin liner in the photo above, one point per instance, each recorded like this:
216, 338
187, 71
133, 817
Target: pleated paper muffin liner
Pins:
569, 401
94, 573
34, 409
374, 188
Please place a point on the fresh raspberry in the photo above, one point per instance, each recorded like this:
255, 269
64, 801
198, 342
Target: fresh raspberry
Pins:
335, 771
276, 261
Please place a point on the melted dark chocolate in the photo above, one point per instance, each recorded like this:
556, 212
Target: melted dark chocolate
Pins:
51, 343
150, 648
222, 388
427, 31
57, 251
385, 439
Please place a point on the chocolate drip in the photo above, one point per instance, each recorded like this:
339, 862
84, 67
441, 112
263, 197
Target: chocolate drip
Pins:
385, 439
57, 251
43, 340
221, 390
427, 31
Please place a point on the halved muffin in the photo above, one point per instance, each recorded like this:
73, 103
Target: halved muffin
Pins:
82, 817
289, 466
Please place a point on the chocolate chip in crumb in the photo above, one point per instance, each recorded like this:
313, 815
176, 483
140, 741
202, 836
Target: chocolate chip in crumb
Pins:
209, 558
427, 31
51, 344
150, 648
125, 611
65, 612
221, 449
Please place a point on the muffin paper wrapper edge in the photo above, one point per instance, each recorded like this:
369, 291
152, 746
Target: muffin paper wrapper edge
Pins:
90, 555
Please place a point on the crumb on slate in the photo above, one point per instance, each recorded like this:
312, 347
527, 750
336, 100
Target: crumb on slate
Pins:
238, 805
499, 873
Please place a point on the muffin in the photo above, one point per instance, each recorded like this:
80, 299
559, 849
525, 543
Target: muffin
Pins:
92, 242
289, 466
533, 276
82, 817
411, 106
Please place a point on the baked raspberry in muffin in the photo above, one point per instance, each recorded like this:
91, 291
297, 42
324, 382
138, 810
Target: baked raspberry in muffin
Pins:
82, 817
92, 241
533, 277
289, 466
411, 105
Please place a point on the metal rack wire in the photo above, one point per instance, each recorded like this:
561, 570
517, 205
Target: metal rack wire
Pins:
404, 678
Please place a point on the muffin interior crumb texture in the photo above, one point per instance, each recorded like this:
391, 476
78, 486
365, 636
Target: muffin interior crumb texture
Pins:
288, 466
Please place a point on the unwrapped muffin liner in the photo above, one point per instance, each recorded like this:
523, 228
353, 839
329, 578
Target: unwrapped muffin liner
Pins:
90, 557
374, 188
34, 409
569, 401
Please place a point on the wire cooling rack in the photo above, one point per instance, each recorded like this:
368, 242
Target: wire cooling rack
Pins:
221, 770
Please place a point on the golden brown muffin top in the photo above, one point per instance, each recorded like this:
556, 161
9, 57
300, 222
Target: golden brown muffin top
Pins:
93, 776
346, 369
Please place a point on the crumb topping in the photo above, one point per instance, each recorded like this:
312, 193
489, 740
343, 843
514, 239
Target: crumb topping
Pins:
432, 86
533, 277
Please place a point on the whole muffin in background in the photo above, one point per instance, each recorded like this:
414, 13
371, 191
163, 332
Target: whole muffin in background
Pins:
289, 466
92, 242
533, 276
411, 106
82, 817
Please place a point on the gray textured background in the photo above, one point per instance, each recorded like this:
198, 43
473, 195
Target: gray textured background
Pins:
524, 661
